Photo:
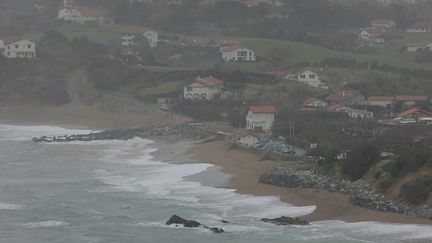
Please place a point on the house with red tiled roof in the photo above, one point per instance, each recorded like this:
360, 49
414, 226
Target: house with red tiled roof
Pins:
411, 100
238, 53
421, 26
260, 118
208, 88
313, 104
384, 24
414, 113
81, 14
129, 35
381, 101
310, 76
346, 97
371, 37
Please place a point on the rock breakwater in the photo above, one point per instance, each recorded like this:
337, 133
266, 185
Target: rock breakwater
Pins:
360, 193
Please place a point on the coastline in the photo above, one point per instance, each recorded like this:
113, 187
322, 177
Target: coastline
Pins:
245, 169
234, 169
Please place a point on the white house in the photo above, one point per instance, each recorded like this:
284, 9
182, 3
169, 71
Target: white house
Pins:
248, 139
130, 33
260, 118
238, 53
83, 14
371, 37
314, 104
22, 48
208, 88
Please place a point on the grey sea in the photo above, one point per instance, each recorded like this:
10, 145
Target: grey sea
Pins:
122, 191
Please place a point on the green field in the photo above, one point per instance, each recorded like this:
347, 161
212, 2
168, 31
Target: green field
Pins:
104, 35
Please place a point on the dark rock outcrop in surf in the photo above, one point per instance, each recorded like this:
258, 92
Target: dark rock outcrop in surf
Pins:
177, 220
286, 221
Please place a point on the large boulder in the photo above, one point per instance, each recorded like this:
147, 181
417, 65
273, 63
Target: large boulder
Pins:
286, 221
181, 221
177, 220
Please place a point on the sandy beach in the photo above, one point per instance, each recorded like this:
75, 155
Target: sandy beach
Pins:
246, 168
83, 117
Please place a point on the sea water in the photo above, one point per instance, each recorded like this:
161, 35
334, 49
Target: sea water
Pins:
116, 191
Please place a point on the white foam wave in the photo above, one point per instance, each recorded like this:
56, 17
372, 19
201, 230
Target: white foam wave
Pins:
5, 206
24, 133
45, 224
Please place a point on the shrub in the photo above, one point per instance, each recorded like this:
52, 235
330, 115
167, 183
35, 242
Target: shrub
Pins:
359, 160
417, 190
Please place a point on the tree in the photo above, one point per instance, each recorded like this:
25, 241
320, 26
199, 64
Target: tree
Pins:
359, 160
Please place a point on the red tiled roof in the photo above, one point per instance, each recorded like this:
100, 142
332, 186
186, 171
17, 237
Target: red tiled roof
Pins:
423, 24
413, 111
210, 81
335, 107
411, 98
343, 96
262, 109
381, 98
383, 22
231, 48
373, 32
93, 11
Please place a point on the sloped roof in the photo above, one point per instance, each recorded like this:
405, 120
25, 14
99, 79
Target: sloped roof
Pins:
343, 96
93, 11
381, 98
262, 109
411, 98
210, 81
413, 111
422, 24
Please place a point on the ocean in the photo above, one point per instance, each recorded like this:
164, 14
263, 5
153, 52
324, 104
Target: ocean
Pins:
123, 191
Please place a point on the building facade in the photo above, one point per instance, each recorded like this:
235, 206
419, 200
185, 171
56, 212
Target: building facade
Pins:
238, 54
208, 88
22, 48
260, 118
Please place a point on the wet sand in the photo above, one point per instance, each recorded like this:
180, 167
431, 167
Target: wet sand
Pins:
246, 168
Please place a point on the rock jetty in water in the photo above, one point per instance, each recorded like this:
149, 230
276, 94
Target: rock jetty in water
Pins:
286, 221
177, 220
183, 130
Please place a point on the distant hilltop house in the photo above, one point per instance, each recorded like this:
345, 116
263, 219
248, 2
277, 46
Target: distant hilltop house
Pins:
129, 35
314, 104
348, 97
255, 3
309, 76
421, 26
208, 88
371, 37
352, 113
419, 47
260, 118
18, 48
237, 53
197, 41
384, 24
80, 14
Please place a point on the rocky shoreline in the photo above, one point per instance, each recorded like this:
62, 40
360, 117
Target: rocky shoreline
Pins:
360, 193
180, 131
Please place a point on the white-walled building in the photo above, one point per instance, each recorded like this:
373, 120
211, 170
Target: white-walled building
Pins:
309, 77
260, 118
208, 88
21, 48
312, 104
84, 14
130, 33
371, 37
238, 53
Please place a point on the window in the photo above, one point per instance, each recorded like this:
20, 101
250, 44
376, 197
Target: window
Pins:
29, 46
311, 75
189, 89
302, 76
242, 53
16, 46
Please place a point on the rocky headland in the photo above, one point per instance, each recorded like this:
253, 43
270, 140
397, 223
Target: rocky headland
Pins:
359, 192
